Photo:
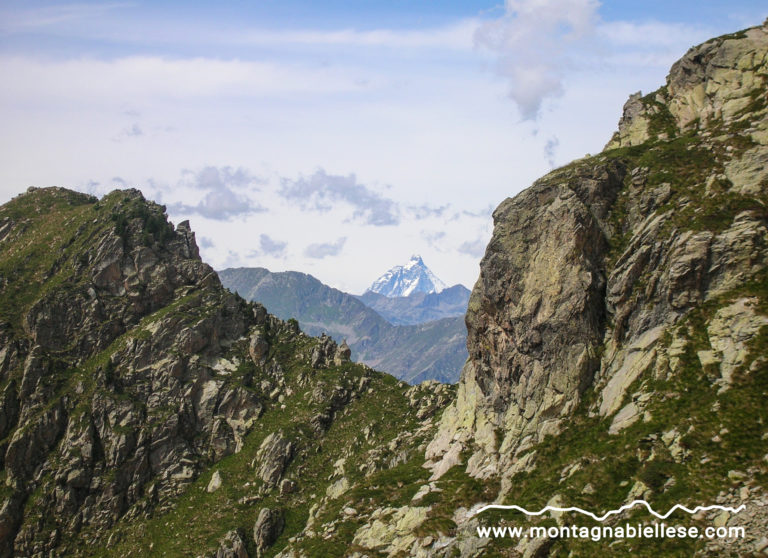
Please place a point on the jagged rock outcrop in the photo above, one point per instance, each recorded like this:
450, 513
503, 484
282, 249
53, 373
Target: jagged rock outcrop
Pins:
232, 546
272, 458
715, 83
343, 354
267, 528
536, 315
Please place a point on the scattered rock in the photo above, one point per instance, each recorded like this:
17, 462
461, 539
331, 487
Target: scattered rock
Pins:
215, 482
258, 347
722, 519
343, 354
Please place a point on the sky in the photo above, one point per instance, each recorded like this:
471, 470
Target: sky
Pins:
336, 138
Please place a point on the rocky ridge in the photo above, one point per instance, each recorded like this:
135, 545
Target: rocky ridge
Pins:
129, 376
111, 403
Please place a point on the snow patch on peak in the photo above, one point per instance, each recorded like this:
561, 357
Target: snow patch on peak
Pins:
404, 280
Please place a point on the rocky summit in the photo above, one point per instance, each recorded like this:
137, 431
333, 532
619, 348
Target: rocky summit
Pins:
617, 340
404, 280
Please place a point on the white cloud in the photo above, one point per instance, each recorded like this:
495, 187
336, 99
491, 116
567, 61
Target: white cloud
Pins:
434, 239
21, 20
651, 35
227, 193
270, 247
424, 211
321, 191
538, 44
67, 20
458, 36
132, 131
139, 78
319, 251
221, 205
475, 248
535, 40
550, 149
213, 178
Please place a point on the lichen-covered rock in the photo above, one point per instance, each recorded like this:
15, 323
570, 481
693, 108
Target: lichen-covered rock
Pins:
324, 353
215, 483
391, 530
729, 331
258, 347
535, 318
718, 80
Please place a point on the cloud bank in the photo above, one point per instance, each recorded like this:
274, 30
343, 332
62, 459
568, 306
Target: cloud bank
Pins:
221, 201
321, 191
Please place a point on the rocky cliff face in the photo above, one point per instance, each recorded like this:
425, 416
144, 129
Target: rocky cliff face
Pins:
613, 282
536, 317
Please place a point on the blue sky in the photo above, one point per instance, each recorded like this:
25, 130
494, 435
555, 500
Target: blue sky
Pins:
335, 138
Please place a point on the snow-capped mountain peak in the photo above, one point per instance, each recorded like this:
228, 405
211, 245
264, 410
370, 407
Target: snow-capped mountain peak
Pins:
403, 280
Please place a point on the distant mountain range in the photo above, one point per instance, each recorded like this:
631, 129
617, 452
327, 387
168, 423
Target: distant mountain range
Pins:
419, 307
396, 340
405, 280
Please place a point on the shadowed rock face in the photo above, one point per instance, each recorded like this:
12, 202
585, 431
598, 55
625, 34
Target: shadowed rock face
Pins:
536, 316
